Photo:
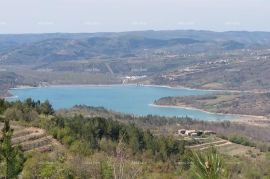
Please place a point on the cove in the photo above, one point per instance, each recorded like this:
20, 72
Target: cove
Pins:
131, 99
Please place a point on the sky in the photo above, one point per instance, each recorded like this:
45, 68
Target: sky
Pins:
49, 16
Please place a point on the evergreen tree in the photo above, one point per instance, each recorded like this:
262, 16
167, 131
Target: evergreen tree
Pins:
2, 106
10, 155
46, 108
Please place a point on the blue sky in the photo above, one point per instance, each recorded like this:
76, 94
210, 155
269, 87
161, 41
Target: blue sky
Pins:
39, 16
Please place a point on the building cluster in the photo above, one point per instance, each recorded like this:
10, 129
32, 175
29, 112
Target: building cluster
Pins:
193, 132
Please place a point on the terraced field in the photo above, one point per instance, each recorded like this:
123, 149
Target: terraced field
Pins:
31, 138
227, 147
217, 143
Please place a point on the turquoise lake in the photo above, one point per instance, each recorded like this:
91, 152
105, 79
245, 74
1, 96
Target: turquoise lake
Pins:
129, 99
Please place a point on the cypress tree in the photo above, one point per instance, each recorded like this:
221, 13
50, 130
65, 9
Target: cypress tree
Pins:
9, 153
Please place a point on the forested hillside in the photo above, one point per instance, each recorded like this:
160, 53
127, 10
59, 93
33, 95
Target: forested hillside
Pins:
96, 143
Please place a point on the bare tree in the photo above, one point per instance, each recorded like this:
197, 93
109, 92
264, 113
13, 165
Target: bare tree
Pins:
123, 168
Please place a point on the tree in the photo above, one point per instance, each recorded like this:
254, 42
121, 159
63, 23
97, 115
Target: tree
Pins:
134, 139
11, 156
46, 108
121, 168
14, 114
2, 106
43, 165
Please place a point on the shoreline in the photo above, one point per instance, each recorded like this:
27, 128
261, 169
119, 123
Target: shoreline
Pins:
190, 108
131, 84
240, 118
120, 84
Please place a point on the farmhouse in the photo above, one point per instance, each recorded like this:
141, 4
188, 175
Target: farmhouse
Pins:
193, 132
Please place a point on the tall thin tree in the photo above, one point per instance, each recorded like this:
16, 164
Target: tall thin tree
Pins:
8, 152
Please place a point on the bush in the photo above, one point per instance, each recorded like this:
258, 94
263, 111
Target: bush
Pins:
242, 140
208, 165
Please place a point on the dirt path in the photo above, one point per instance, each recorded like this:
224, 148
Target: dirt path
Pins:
109, 68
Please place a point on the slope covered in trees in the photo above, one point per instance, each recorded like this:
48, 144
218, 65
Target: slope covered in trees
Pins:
110, 145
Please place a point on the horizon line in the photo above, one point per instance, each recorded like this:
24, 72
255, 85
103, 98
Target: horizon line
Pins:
130, 31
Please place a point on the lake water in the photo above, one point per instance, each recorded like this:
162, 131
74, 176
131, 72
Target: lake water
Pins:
130, 99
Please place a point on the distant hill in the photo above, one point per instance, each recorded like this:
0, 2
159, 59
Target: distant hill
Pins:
233, 45
197, 59
8, 80
29, 48
60, 49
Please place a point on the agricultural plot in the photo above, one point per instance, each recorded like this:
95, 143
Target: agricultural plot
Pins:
31, 138
226, 147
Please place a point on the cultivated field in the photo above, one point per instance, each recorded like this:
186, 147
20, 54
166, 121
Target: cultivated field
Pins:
31, 138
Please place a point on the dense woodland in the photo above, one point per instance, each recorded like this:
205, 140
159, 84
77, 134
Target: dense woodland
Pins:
97, 133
